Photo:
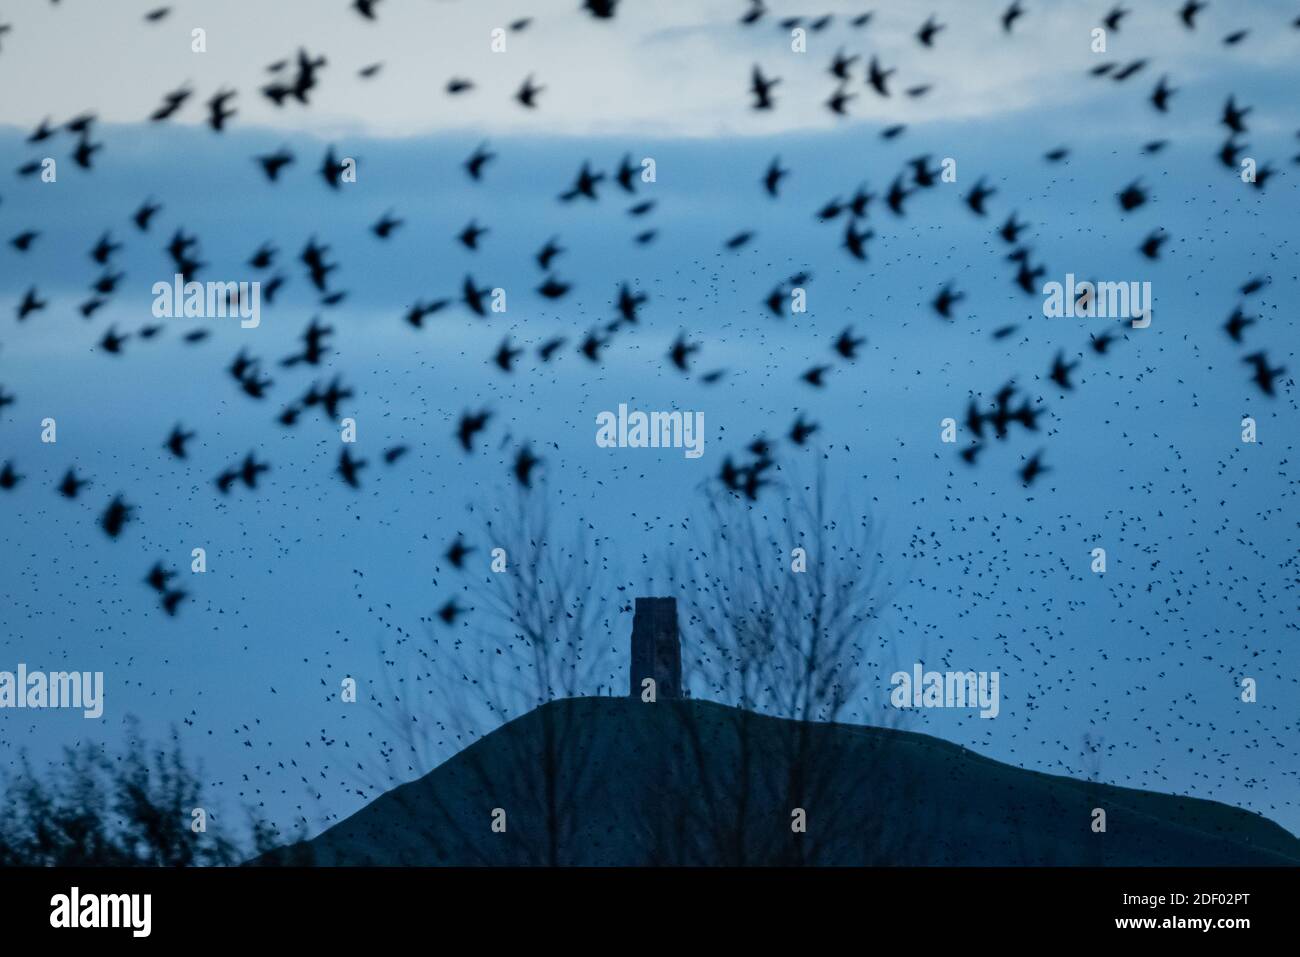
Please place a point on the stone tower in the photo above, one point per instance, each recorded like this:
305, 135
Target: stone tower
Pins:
656, 647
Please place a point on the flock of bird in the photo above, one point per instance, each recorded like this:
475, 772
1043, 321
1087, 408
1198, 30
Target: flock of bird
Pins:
294, 79
858, 217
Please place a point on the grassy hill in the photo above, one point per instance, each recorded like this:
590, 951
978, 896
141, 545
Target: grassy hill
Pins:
613, 781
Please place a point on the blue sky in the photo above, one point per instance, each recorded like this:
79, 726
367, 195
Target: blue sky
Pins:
307, 577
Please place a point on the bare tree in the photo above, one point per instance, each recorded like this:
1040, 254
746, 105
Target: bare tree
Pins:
536, 634
781, 612
94, 808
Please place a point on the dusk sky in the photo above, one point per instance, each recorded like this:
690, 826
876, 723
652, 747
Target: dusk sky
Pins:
310, 581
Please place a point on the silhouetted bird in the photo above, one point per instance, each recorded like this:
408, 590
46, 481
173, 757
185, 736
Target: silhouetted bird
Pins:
1264, 376
115, 517
470, 425
349, 467
761, 87
8, 477
525, 462
1033, 469
71, 485
1237, 324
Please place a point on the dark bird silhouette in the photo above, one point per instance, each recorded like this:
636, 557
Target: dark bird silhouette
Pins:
1033, 469
104, 248
8, 477
458, 552
314, 348
417, 313
548, 349
1264, 376
928, 31
331, 169
846, 344
815, 375
171, 600
1128, 70
468, 237
471, 423
176, 441
600, 9
450, 612
548, 252
71, 485
761, 87
1160, 96
112, 342
1189, 11
553, 288
1237, 324
385, 226
1012, 14
115, 517
505, 355
1061, 370
591, 346
946, 299
85, 151
1234, 117
30, 303
247, 472
217, 112
897, 194
42, 132
349, 468
264, 257
1229, 153
626, 175
1112, 19
1151, 245
1011, 229
922, 175
841, 64
584, 185
313, 257
839, 102
525, 462
681, 352
772, 178
396, 452
802, 430
877, 78
144, 214
753, 14
272, 163
1132, 197
472, 296
171, 103
628, 303
859, 202
978, 194
158, 577
527, 94
1101, 343
479, 159
81, 123
855, 241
